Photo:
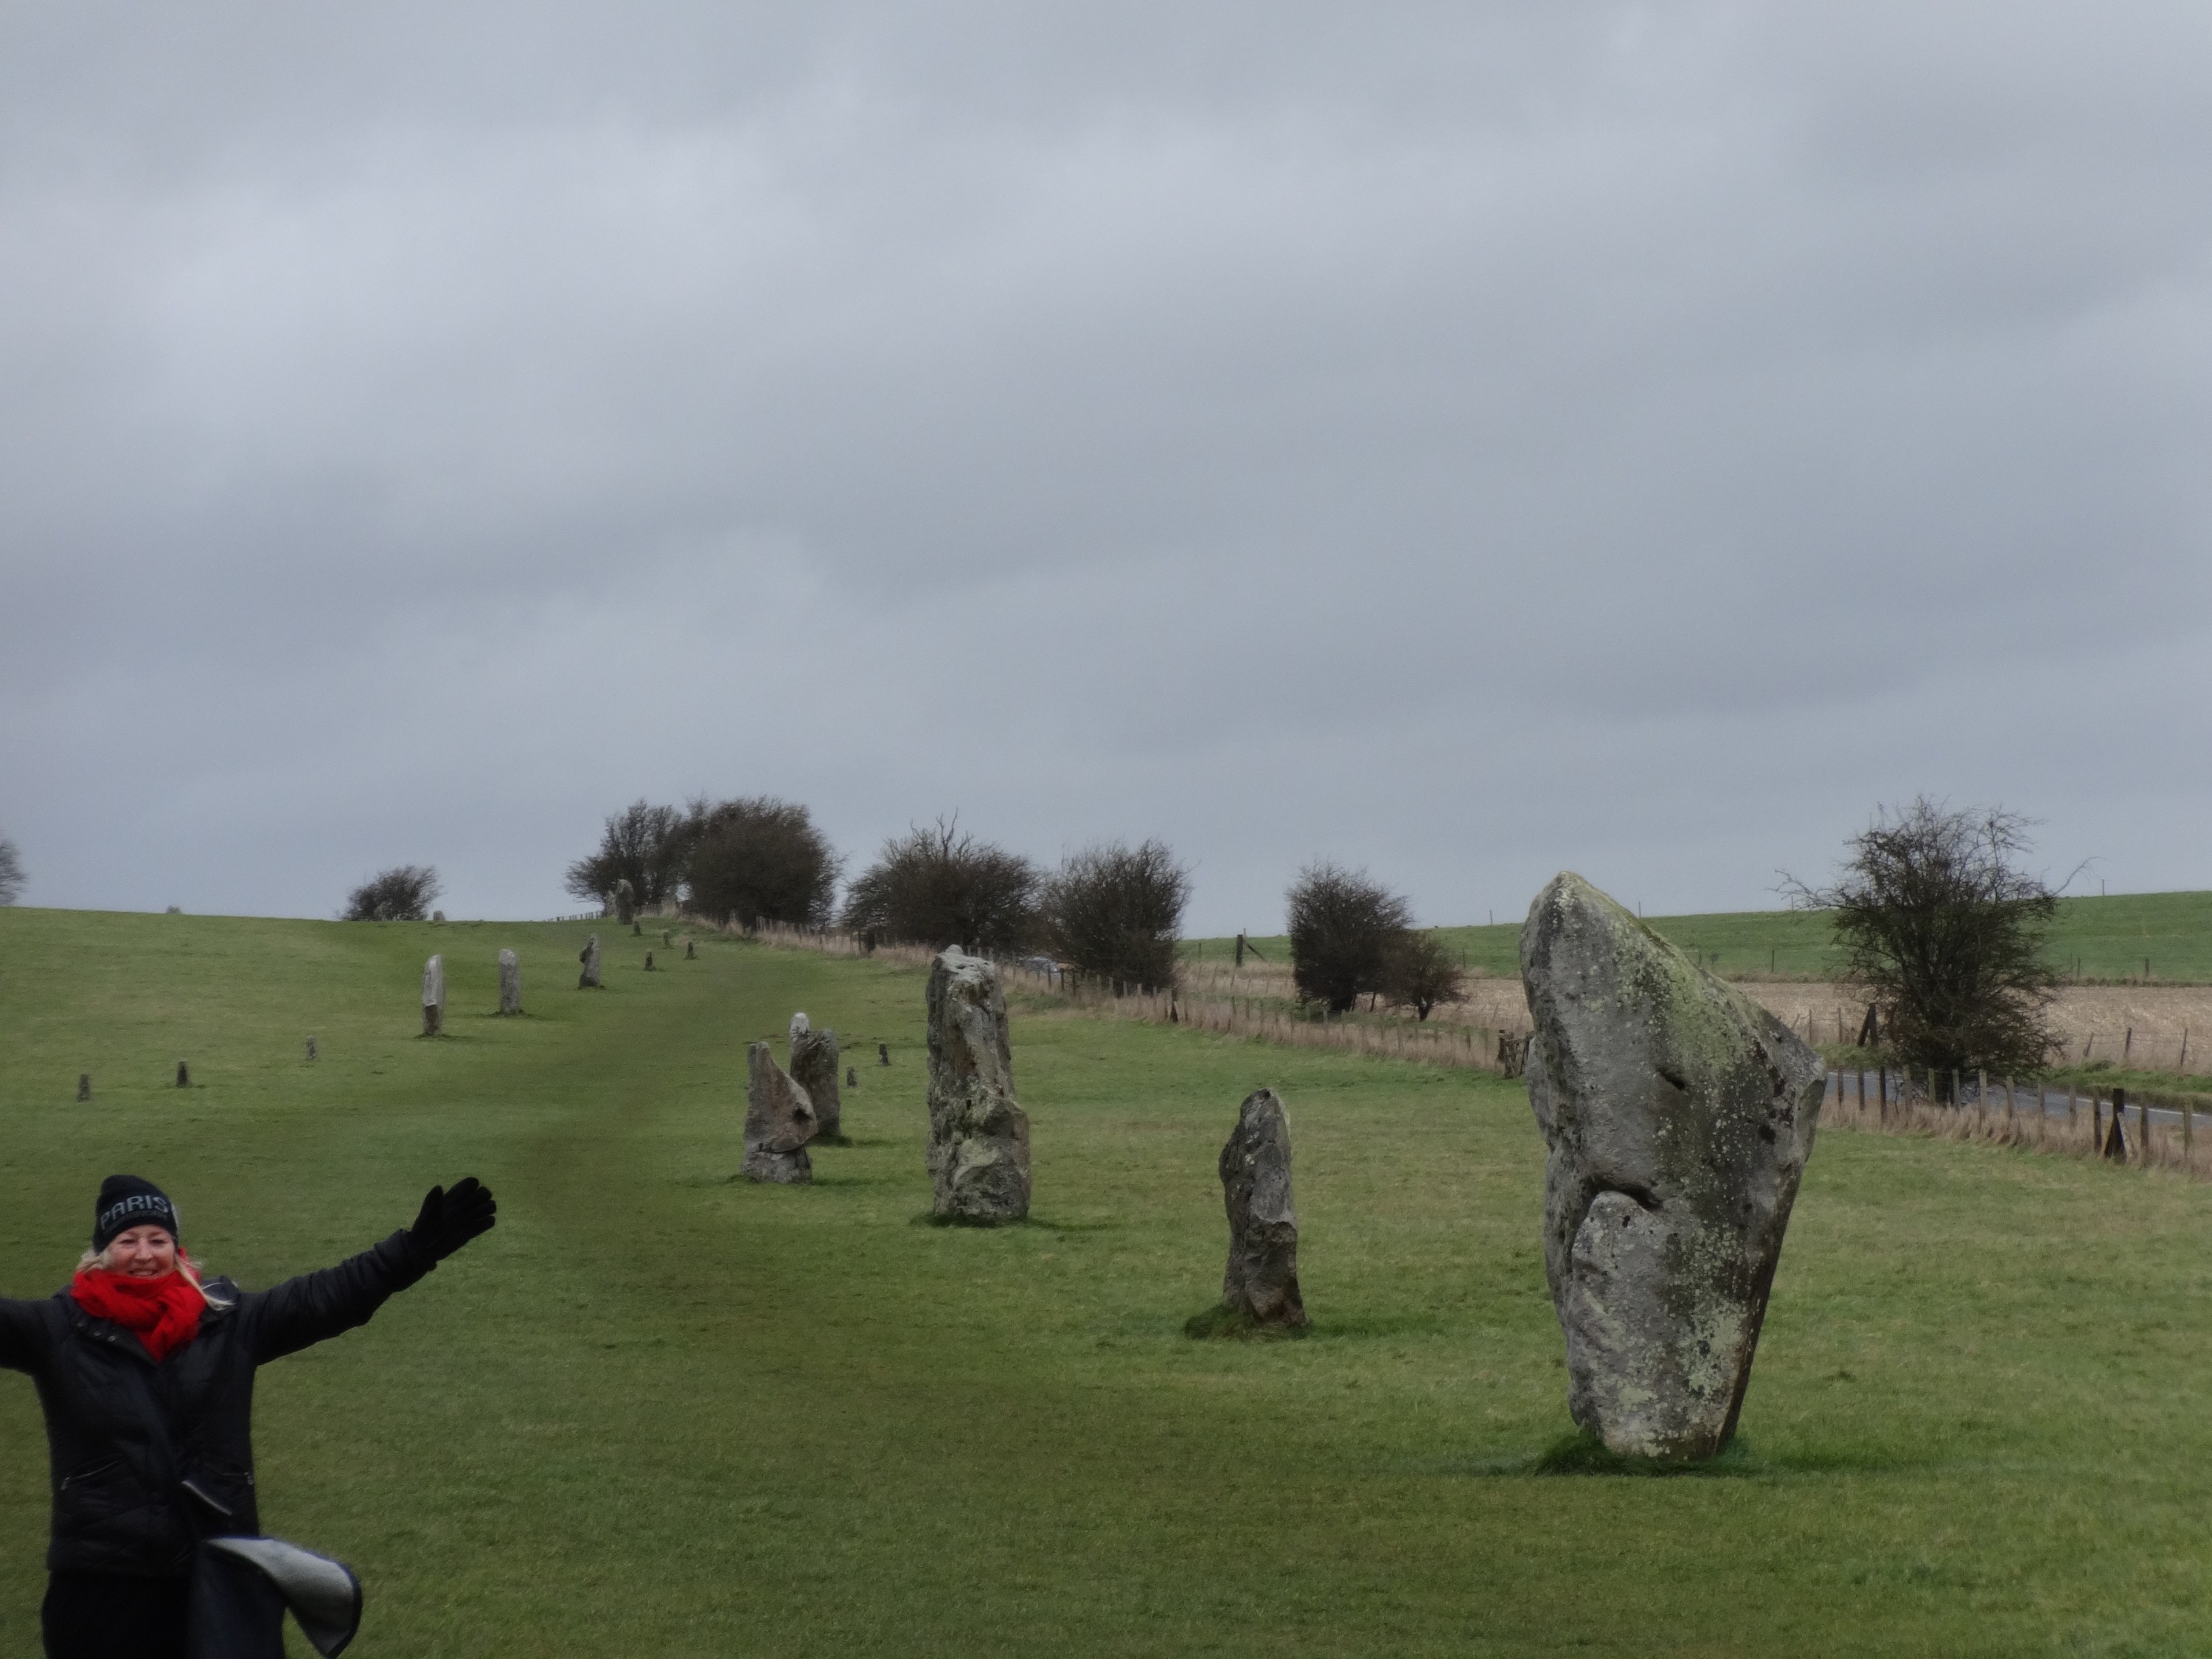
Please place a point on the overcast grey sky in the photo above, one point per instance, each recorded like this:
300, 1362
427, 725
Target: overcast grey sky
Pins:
1463, 440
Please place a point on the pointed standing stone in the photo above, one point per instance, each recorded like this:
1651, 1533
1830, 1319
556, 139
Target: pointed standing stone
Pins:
510, 982
1678, 1114
779, 1122
979, 1138
433, 996
589, 955
814, 1068
1262, 1281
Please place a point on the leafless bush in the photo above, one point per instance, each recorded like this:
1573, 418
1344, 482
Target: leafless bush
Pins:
759, 859
11, 872
1419, 973
941, 886
400, 894
644, 845
1947, 936
1343, 929
1114, 912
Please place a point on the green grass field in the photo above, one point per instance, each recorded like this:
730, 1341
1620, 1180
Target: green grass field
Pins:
656, 1413
2099, 939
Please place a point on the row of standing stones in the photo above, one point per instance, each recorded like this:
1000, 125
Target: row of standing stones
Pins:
1677, 1115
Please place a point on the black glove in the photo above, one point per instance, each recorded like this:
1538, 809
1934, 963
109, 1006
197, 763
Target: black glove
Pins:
449, 1220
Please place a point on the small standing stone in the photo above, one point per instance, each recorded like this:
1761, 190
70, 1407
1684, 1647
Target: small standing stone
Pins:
184, 1076
1262, 1282
979, 1138
311, 1048
852, 1079
438, 917
510, 982
668, 938
636, 929
433, 996
648, 962
690, 949
84, 1085
779, 1122
814, 1068
883, 1054
589, 955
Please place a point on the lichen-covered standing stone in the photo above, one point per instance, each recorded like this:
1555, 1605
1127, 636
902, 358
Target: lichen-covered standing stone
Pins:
510, 982
779, 1121
589, 955
433, 996
979, 1138
1679, 1113
814, 1068
1262, 1282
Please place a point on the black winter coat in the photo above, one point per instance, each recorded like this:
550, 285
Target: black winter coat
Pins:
145, 1457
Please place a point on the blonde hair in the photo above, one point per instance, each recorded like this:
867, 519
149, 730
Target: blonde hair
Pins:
190, 1269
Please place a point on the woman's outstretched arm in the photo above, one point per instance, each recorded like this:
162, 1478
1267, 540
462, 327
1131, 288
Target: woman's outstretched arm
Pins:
22, 1335
316, 1306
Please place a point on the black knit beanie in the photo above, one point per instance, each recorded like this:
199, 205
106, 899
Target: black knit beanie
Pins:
128, 1201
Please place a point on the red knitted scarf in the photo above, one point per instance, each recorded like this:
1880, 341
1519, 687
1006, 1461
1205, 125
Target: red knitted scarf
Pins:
163, 1314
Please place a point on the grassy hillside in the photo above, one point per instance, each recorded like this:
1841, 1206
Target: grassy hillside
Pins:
657, 1412
2100, 938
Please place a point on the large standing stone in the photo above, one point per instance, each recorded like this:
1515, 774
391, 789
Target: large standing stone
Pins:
979, 1138
510, 982
433, 996
625, 902
1679, 1113
1261, 1283
589, 955
814, 1068
779, 1121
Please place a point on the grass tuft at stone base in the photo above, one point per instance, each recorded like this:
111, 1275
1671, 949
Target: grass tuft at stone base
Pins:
1583, 1453
1222, 1321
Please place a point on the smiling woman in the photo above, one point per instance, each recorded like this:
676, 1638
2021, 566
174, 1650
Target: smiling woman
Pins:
146, 1374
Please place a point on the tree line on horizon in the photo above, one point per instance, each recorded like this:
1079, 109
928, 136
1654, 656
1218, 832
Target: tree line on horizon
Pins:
1938, 922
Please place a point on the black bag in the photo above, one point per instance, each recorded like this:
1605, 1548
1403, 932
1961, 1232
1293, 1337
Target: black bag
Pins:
241, 1586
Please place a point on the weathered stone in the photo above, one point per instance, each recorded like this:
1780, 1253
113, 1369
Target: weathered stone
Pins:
690, 949
433, 996
84, 1085
1262, 1282
1678, 1114
799, 1025
589, 955
852, 1079
883, 1054
648, 962
510, 982
779, 1122
311, 1048
439, 917
814, 1068
184, 1076
625, 902
668, 938
979, 1138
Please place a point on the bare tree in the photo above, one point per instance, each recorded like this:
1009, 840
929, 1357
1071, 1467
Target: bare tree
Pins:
400, 894
941, 886
644, 845
1945, 934
1419, 972
1343, 930
759, 859
1115, 912
11, 872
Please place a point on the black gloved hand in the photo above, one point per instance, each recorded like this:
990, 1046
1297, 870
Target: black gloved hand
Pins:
450, 1220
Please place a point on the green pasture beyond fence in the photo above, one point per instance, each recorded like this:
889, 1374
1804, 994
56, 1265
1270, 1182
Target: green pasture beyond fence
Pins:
2166, 937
